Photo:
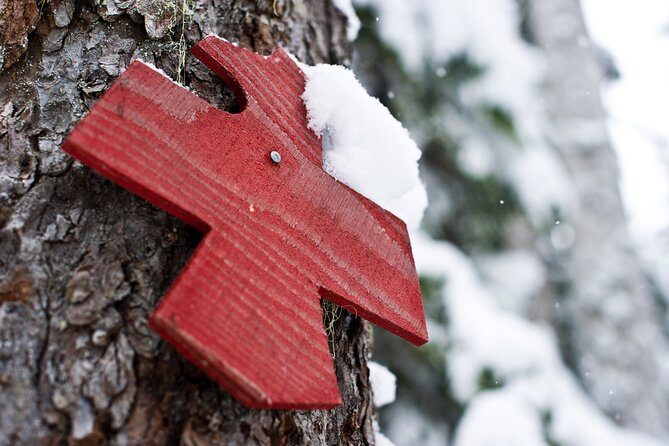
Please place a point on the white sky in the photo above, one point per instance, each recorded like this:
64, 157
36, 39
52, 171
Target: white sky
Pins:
636, 34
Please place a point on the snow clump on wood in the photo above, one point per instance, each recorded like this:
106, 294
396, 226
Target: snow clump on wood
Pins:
364, 146
383, 384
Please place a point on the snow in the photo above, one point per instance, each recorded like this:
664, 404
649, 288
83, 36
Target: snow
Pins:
222, 38
383, 387
513, 422
364, 146
438, 30
513, 416
383, 384
482, 335
476, 158
352, 20
379, 438
162, 73
638, 104
157, 70
513, 277
523, 357
538, 398
414, 428
538, 175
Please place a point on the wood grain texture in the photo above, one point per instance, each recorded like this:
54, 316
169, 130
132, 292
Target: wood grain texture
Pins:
278, 237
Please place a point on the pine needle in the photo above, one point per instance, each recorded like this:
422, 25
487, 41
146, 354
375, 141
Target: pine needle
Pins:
186, 12
331, 314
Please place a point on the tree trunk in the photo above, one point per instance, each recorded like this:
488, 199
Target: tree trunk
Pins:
83, 262
613, 335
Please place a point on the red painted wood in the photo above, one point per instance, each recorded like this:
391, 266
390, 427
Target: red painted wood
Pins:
278, 237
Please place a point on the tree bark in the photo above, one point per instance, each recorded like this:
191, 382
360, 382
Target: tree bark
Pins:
83, 262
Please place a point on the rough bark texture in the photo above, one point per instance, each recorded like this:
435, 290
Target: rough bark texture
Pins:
612, 327
83, 262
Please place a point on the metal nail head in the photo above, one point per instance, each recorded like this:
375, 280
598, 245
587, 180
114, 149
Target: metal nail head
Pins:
276, 156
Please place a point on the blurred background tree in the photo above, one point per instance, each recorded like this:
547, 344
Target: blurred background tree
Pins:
557, 336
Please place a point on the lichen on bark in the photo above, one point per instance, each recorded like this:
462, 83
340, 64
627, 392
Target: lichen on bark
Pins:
84, 262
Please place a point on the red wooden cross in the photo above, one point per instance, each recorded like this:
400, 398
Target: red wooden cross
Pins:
278, 236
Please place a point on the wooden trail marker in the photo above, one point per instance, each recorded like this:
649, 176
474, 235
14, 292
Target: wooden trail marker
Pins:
278, 236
